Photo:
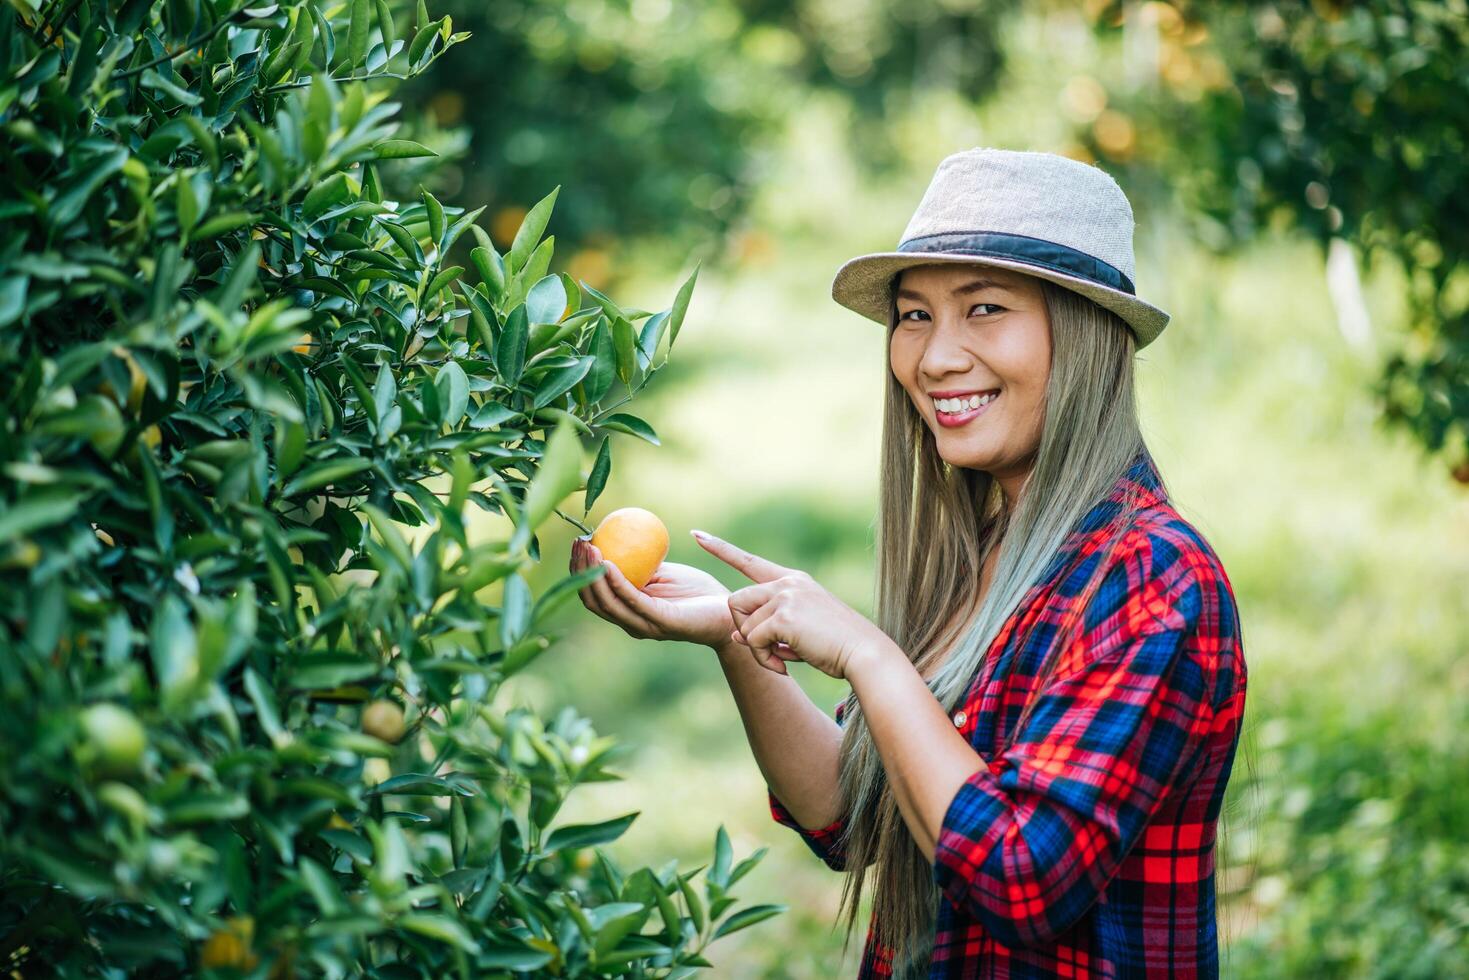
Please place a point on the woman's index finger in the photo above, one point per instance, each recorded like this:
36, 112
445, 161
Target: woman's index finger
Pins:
753, 567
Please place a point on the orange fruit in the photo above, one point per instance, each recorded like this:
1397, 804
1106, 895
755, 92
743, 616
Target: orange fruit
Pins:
634, 540
383, 719
113, 739
303, 344
229, 948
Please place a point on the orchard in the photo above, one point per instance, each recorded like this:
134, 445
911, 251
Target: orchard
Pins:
255, 400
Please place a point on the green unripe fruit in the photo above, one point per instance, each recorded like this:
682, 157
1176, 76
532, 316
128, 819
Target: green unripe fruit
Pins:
384, 719
114, 739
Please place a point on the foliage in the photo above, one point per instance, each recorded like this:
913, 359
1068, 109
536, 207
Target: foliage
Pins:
248, 675
1342, 120
1353, 840
661, 115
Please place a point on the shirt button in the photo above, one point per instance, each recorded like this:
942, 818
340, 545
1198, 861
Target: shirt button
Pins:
959, 717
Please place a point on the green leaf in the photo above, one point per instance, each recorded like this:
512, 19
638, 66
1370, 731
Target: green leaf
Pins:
514, 610
208, 808
322, 886
723, 854
458, 831
624, 338
612, 922
546, 301
491, 268
151, 79
354, 844
186, 203
600, 471
318, 476
612, 310
35, 513
510, 349
12, 298
560, 381
442, 281
384, 391
680, 306
648, 340
530, 231
417, 784
435, 216
223, 223
453, 391
385, 23
599, 378
391, 537
357, 32
557, 475
696, 904
334, 190
507, 957
748, 917
574, 836
330, 670
263, 698
632, 425
422, 38
290, 445
175, 650
439, 927
400, 149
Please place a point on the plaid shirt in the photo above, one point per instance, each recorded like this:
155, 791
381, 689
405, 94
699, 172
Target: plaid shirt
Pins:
1087, 848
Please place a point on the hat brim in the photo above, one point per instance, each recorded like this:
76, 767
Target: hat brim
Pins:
862, 285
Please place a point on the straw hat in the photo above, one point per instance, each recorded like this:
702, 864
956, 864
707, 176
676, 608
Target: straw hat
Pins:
1039, 213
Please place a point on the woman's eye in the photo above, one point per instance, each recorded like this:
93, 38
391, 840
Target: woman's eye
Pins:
978, 305
909, 314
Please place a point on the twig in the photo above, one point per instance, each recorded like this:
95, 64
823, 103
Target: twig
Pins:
170, 55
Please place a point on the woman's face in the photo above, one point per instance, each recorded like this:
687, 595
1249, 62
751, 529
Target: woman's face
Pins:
975, 331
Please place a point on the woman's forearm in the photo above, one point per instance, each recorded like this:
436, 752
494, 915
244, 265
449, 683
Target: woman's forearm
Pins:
795, 743
925, 758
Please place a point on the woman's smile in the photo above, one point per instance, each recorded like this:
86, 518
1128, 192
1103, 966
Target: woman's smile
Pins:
954, 412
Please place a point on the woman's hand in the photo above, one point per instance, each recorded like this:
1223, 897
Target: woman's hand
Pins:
787, 615
679, 602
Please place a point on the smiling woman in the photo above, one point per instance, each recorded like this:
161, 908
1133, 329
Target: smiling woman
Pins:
1014, 792
1044, 716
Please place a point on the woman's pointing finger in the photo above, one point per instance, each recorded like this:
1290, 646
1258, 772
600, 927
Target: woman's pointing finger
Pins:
753, 567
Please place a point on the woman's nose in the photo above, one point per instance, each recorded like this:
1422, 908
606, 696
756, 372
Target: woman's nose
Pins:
944, 354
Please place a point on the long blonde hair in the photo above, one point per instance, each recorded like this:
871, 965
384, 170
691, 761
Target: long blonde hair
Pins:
936, 525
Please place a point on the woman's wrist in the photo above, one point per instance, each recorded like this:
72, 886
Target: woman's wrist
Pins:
870, 658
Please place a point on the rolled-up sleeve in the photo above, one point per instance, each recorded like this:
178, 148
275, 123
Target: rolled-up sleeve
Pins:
825, 842
1030, 842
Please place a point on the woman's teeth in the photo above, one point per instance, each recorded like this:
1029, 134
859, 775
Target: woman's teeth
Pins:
953, 406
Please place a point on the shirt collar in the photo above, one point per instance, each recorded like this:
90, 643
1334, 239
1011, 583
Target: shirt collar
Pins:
1141, 480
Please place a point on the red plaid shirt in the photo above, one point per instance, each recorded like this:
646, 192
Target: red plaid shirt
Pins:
1087, 848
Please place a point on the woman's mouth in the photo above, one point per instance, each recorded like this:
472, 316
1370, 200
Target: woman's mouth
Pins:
959, 411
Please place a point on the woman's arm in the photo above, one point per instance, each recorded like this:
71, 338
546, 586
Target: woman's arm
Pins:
795, 743
923, 754
1027, 844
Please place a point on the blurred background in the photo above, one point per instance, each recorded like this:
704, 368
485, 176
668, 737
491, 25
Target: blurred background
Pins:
1296, 170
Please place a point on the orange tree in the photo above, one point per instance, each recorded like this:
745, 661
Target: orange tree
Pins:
247, 672
1338, 120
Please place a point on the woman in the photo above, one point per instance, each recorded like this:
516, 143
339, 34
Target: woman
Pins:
1043, 718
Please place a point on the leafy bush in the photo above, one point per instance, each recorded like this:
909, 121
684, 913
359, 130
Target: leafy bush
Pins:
248, 677
1352, 844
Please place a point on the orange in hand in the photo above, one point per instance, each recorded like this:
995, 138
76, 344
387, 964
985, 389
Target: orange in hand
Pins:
634, 540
